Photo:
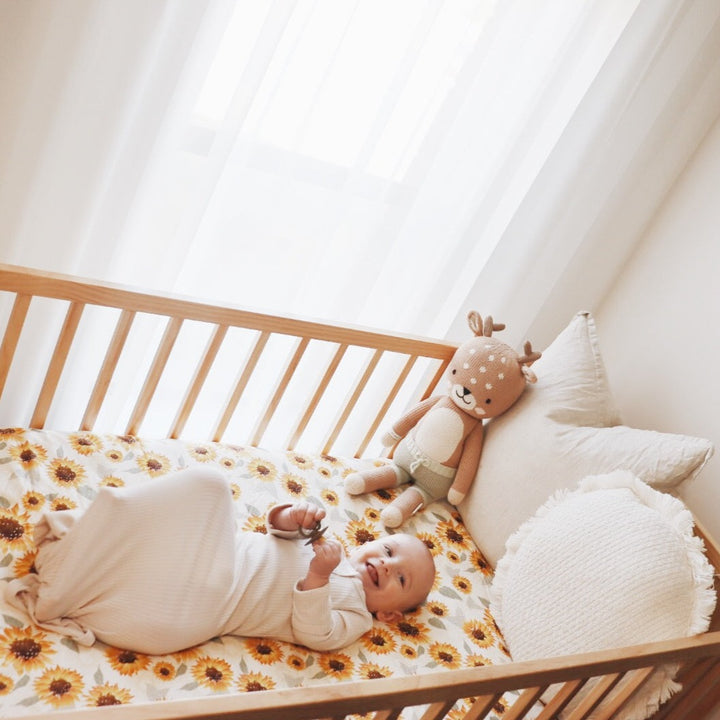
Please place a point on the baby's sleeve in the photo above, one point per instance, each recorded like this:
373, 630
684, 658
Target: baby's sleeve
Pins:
319, 626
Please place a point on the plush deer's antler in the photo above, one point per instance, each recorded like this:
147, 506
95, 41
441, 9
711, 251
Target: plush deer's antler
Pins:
480, 327
530, 356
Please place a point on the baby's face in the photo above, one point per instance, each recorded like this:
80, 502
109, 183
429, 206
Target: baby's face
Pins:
397, 572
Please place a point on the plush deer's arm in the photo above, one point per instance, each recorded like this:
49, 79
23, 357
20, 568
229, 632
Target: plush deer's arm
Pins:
402, 426
468, 465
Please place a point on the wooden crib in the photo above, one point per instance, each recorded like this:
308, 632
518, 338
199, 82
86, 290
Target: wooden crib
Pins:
408, 369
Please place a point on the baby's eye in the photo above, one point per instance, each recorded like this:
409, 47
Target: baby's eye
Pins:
402, 580
388, 550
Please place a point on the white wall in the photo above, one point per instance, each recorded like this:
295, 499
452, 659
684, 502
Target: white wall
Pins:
659, 325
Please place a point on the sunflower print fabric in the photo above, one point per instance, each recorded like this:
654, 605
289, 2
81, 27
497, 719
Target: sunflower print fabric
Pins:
43, 471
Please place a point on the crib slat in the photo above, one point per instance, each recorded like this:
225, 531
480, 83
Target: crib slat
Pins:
12, 335
112, 356
153, 377
604, 685
481, 707
317, 396
695, 679
352, 401
522, 706
57, 363
198, 381
392, 714
635, 680
240, 385
438, 710
562, 697
386, 405
279, 392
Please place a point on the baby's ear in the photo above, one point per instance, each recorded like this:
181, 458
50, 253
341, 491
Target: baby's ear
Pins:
389, 616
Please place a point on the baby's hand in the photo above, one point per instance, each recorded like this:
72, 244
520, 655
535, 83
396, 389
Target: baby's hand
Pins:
299, 515
328, 554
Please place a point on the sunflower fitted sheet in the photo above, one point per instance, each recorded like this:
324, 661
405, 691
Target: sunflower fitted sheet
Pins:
44, 471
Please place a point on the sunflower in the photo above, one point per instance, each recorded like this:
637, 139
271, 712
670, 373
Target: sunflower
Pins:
108, 694
337, 665
296, 662
454, 533
33, 501
86, 443
164, 670
324, 472
254, 682
480, 563
6, 685
445, 654
255, 523
330, 497
409, 652
330, 459
262, 470
29, 456
127, 662
300, 461
379, 640
265, 651
438, 609
410, 630
114, 455
476, 661
127, 439
235, 490
59, 686
62, 503
66, 473
212, 673
112, 481
479, 632
432, 543
25, 564
227, 463
462, 584
15, 529
12, 433
453, 557
372, 514
153, 464
295, 485
358, 532
203, 453
371, 671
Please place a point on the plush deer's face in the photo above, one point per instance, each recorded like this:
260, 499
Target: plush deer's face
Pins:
485, 377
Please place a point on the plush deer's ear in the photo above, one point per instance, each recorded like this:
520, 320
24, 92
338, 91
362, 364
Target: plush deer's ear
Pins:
475, 322
530, 355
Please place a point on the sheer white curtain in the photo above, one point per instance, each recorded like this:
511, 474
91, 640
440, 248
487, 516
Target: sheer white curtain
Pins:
390, 163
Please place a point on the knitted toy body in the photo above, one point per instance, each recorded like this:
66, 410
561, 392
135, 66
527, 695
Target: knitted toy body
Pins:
441, 438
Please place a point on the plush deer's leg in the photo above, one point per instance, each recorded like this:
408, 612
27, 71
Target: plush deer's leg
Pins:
401, 508
377, 478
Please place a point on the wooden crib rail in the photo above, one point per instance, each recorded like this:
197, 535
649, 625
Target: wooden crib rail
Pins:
80, 294
621, 673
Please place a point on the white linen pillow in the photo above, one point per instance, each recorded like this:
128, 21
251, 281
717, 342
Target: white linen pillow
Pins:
562, 428
612, 564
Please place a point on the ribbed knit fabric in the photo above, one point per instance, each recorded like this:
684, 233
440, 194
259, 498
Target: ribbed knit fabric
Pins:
160, 566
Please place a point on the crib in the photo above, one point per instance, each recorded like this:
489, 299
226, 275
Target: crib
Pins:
319, 410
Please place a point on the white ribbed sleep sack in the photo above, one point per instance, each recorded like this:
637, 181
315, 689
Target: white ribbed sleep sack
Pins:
161, 566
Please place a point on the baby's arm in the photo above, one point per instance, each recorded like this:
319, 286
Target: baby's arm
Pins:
328, 554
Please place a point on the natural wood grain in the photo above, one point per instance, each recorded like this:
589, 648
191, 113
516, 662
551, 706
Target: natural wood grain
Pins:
12, 335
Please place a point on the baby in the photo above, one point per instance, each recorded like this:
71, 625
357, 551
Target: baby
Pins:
161, 566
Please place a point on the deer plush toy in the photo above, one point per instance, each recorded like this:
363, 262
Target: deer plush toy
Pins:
439, 440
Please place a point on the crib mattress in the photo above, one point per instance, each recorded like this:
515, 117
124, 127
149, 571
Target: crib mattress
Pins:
43, 470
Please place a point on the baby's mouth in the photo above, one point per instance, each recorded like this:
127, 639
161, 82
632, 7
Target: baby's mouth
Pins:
372, 572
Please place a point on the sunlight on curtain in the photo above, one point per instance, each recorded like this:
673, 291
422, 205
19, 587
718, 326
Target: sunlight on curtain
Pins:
329, 156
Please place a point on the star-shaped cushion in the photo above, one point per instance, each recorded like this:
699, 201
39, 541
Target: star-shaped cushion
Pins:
562, 429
